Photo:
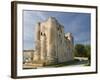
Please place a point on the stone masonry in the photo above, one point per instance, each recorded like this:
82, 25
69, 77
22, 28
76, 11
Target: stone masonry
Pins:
52, 45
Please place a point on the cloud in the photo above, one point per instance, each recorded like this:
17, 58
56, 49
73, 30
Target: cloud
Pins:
76, 23
41, 15
79, 25
28, 29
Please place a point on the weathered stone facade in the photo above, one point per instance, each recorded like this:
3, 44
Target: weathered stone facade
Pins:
28, 56
52, 45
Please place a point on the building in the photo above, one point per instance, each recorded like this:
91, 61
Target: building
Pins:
52, 45
28, 56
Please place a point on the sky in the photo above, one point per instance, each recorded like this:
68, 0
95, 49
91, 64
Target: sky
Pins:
76, 23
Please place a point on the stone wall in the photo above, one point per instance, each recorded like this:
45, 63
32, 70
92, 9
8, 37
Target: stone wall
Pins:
52, 44
28, 56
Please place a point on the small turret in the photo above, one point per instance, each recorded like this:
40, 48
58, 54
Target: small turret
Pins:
68, 35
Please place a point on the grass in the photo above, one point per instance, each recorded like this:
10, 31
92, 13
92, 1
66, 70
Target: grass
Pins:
74, 62
68, 63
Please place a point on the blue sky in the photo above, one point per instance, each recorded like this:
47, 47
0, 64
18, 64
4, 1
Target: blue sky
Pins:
76, 23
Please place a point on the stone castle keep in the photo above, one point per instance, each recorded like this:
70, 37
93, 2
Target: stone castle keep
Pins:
52, 45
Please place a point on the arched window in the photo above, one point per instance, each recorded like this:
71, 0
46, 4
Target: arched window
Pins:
41, 33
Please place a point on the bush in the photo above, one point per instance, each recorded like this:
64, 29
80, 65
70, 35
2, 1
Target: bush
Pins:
81, 50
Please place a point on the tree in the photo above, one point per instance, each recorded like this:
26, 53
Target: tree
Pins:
80, 50
88, 51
